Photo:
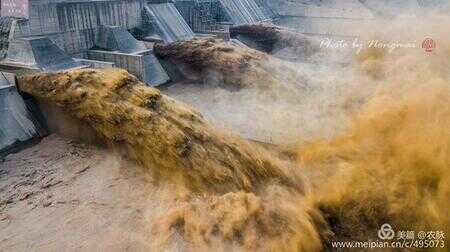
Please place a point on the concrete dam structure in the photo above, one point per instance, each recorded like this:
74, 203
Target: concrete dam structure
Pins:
18, 117
55, 35
315, 125
38, 53
115, 44
5, 28
72, 26
167, 22
341, 18
69, 35
209, 15
58, 35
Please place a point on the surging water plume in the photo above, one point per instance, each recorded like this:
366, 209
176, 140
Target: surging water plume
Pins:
228, 65
392, 165
239, 195
167, 136
274, 220
272, 39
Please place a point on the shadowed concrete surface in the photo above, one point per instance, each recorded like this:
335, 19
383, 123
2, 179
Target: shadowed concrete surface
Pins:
17, 123
116, 38
5, 28
38, 53
116, 44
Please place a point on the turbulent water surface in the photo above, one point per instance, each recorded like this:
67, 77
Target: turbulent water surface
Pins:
385, 156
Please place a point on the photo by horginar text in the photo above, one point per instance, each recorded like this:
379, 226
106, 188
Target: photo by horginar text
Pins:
358, 44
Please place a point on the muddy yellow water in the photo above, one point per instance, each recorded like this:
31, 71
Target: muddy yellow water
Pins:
391, 165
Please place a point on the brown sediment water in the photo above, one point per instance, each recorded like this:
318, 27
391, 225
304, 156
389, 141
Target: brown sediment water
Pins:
241, 195
228, 65
274, 38
160, 133
391, 165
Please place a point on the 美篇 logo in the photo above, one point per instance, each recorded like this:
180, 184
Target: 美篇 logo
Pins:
386, 232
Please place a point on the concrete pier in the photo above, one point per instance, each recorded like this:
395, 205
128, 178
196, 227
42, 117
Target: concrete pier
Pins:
38, 53
117, 45
18, 123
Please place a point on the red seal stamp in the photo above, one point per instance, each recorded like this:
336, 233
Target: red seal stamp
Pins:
428, 44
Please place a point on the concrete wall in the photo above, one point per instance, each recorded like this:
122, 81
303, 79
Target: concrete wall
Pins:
18, 122
95, 63
40, 53
6, 23
166, 20
117, 38
144, 65
73, 25
132, 63
201, 16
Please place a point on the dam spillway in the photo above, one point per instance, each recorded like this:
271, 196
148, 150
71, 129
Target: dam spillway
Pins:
243, 11
168, 22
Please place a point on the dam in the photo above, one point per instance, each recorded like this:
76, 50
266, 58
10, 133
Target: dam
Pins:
74, 28
55, 35
262, 142
59, 35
